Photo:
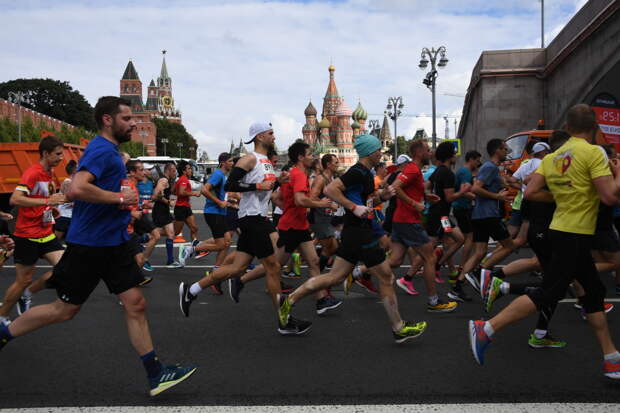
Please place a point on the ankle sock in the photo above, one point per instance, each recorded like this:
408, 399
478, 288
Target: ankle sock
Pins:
152, 365
195, 289
27, 292
356, 272
504, 288
614, 357
170, 251
433, 299
540, 333
488, 329
5, 334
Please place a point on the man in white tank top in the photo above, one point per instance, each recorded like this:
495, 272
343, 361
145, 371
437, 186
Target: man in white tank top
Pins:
254, 176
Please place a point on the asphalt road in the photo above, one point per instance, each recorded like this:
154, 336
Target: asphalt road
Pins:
348, 357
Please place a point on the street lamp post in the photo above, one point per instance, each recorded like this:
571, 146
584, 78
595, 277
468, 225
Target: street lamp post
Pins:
431, 77
395, 104
164, 141
180, 145
19, 98
143, 135
373, 125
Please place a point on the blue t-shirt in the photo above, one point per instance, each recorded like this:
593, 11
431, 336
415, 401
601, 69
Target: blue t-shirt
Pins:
426, 175
463, 176
488, 207
100, 225
217, 181
145, 189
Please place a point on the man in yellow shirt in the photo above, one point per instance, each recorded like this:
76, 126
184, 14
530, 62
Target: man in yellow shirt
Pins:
578, 177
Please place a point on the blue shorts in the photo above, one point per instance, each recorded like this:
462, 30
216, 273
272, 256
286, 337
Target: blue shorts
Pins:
410, 235
377, 229
515, 218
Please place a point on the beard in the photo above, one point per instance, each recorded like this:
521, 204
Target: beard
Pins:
121, 136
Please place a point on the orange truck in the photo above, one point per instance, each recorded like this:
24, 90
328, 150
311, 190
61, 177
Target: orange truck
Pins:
15, 158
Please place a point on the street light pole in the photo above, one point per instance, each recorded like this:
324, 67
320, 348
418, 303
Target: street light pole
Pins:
19, 98
143, 135
397, 104
164, 141
180, 145
431, 77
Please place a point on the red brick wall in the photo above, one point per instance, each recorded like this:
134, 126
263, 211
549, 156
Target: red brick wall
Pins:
10, 110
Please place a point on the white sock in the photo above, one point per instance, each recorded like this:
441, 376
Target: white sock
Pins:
615, 357
433, 299
189, 250
540, 333
504, 288
488, 329
195, 289
27, 292
357, 272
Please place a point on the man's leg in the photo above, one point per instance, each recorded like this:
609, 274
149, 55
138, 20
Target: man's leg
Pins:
338, 273
134, 305
23, 279
308, 252
39, 284
150, 246
193, 228
41, 316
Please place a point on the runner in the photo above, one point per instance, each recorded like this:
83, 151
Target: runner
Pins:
294, 227
353, 191
97, 249
162, 195
183, 214
145, 226
34, 230
321, 218
254, 176
575, 174
64, 220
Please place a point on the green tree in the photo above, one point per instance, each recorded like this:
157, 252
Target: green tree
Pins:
175, 133
403, 147
134, 149
53, 98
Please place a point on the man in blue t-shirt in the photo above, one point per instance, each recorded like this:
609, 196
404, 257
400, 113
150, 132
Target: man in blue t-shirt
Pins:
215, 217
486, 220
97, 246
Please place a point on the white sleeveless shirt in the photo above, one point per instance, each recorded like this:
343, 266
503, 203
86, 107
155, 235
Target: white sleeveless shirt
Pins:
257, 202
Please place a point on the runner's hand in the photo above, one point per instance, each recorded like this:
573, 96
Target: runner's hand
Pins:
56, 199
284, 177
465, 187
503, 195
7, 243
432, 198
265, 186
361, 211
6, 216
223, 204
387, 193
326, 203
418, 206
130, 197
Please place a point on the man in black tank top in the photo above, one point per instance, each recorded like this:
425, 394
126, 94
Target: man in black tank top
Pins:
162, 218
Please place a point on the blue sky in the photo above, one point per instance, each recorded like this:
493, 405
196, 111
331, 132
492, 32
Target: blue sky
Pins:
237, 61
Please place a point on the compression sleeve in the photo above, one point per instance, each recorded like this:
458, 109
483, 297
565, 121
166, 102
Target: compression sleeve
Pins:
234, 184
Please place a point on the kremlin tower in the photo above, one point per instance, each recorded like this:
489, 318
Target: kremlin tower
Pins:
334, 133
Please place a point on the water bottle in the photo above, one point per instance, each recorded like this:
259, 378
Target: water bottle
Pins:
125, 185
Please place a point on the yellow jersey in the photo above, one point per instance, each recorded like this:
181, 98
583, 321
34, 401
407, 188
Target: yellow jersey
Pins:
569, 172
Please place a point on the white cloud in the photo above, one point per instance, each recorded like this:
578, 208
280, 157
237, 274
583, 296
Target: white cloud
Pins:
235, 62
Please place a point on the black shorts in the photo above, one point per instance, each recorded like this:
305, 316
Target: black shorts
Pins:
606, 240
275, 218
144, 225
360, 244
291, 238
538, 239
62, 224
161, 215
133, 245
463, 220
217, 224
254, 239
434, 227
28, 252
82, 267
181, 213
489, 227
232, 218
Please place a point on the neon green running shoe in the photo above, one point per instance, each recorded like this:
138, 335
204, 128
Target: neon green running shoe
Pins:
492, 293
284, 310
296, 264
347, 283
546, 342
409, 331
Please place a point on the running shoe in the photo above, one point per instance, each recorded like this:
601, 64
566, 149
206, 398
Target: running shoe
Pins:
485, 280
438, 278
145, 281
366, 283
195, 242
294, 327
185, 298
24, 303
327, 303
201, 255
441, 307
611, 369
174, 264
607, 306
234, 288
217, 288
5, 321
284, 311
290, 274
473, 280
347, 283
147, 266
409, 331
185, 253
458, 293
546, 342
406, 286
492, 293
296, 264
478, 340
169, 377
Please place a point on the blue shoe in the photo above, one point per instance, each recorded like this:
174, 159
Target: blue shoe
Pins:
170, 376
195, 242
23, 304
478, 339
147, 266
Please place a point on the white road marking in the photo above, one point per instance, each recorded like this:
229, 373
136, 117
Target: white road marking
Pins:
413, 408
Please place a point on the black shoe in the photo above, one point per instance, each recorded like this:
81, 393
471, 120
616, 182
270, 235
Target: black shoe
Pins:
474, 279
294, 327
457, 293
327, 303
234, 287
185, 298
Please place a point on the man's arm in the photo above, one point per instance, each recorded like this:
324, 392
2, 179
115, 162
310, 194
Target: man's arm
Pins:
535, 190
479, 190
397, 185
317, 187
303, 200
20, 199
184, 192
242, 167
82, 189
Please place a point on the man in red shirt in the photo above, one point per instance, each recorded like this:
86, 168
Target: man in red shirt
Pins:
294, 228
34, 230
183, 209
407, 230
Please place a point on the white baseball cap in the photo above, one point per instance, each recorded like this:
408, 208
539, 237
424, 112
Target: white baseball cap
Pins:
402, 159
539, 147
256, 128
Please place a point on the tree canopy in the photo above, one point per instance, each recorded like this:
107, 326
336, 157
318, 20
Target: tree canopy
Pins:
53, 98
403, 147
175, 133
